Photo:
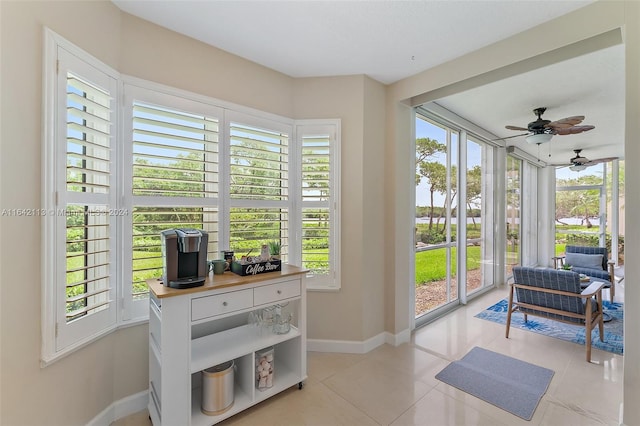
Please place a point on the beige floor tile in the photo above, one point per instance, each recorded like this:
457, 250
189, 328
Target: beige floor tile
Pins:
141, 418
559, 415
412, 360
321, 365
436, 408
381, 392
592, 387
313, 405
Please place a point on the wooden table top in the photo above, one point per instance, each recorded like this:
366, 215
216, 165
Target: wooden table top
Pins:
228, 279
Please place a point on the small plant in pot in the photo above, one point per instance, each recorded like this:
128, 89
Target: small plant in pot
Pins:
567, 267
274, 249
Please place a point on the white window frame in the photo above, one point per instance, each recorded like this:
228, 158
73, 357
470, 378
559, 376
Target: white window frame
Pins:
136, 90
126, 311
59, 337
330, 281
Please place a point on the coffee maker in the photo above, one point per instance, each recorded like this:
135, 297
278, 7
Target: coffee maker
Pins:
184, 257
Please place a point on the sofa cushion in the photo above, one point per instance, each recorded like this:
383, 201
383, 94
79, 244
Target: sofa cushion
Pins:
593, 261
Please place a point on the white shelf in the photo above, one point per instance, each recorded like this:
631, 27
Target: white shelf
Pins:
282, 381
230, 344
176, 358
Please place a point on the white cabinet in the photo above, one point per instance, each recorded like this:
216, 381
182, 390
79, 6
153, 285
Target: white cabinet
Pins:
193, 329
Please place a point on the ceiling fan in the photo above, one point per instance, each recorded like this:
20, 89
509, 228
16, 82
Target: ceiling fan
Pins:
579, 162
541, 131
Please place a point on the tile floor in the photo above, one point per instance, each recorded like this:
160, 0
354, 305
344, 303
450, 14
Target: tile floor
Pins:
396, 386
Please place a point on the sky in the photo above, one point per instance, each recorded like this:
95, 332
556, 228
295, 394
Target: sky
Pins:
428, 130
425, 129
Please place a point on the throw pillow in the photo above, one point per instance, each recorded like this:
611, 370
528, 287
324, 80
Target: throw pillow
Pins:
593, 261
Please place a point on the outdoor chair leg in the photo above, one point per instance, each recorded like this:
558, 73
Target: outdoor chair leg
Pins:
588, 324
509, 310
612, 290
601, 319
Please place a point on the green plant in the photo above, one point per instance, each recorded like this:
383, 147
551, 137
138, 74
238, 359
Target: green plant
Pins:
274, 247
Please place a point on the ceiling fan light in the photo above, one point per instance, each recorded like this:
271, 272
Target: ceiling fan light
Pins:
578, 167
539, 138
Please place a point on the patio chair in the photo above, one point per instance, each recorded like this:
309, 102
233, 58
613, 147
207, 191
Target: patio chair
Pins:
591, 261
556, 295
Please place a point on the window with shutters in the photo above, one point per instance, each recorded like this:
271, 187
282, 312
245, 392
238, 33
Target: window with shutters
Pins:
319, 186
259, 178
80, 237
174, 180
114, 179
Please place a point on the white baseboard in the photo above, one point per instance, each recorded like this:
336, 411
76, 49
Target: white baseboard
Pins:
121, 408
354, 347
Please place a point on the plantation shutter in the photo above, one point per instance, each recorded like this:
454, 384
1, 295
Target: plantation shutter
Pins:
258, 185
259, 163
175, 179
319, 173
175, 153
84, 212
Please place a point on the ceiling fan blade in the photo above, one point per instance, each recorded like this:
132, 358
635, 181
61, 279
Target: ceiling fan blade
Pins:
600, 160
522, 129
509, 137
564, 123
571, 130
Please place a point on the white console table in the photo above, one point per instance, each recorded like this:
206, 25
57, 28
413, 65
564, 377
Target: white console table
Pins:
193, 329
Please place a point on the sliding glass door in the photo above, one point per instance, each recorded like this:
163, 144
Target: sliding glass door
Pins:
514, 179
454, 240
480, 206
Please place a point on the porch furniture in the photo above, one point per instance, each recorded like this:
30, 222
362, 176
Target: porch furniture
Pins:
556, 294
591, 261
606, 284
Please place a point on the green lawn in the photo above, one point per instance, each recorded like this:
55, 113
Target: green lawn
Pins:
431, 264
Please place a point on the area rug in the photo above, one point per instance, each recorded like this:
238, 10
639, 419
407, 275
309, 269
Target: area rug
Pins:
613, 336
508, 383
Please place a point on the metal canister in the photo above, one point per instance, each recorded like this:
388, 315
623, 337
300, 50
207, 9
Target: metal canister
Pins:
217, 388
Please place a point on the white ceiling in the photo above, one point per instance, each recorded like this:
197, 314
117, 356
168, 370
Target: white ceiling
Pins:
591, 85
391, 40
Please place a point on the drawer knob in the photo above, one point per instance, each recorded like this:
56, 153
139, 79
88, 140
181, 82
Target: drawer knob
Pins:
279, 291
224, 303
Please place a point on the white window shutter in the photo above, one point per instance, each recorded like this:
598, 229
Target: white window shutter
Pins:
319, 146
85, 235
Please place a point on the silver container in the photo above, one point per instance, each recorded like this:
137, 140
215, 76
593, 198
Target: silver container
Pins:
217, 388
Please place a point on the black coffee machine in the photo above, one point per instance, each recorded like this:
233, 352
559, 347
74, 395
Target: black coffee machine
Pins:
184, 257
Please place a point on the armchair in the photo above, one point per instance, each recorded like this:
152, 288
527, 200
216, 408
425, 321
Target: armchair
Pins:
556, 294
591, 261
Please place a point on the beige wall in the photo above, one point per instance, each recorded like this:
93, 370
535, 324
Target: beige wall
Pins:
356, 312
156, 54
338, 315
55, 395
375, 256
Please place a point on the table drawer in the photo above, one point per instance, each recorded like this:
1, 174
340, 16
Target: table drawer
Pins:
211, 306
274, 292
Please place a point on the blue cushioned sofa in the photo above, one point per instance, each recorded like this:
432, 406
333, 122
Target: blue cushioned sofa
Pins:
591, 261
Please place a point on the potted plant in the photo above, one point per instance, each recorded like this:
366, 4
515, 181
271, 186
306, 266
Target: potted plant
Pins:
274, 248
